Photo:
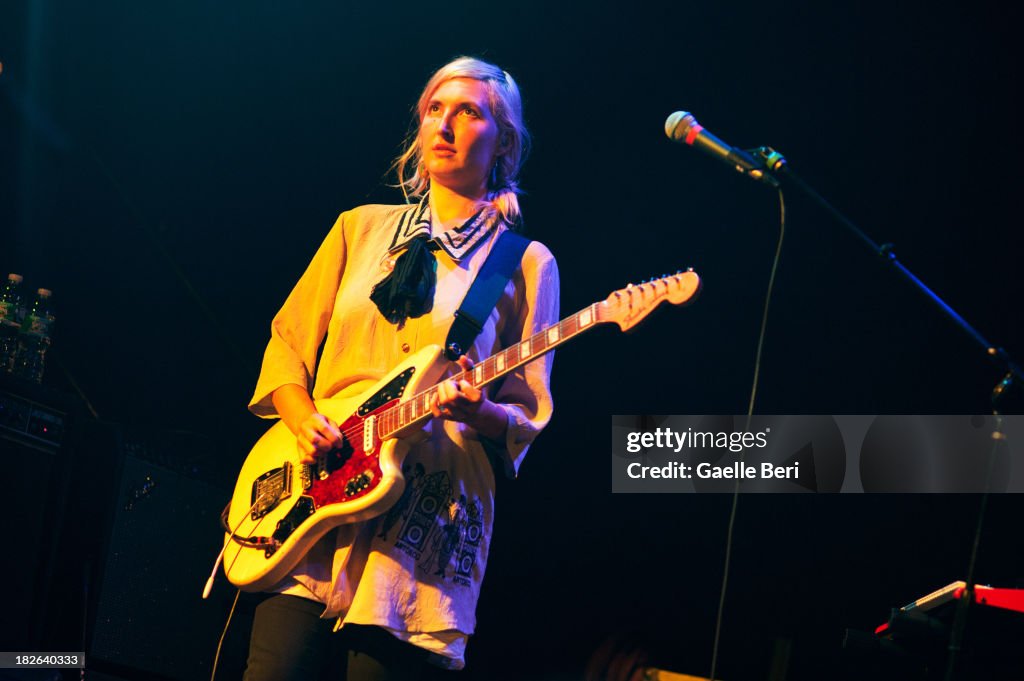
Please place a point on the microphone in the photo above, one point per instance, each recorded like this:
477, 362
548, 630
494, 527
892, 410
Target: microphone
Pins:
682, 127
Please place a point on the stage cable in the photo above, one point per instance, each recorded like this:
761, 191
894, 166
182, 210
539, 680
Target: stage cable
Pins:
746, 428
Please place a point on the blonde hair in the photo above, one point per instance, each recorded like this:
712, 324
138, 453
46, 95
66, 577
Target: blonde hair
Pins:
507, 110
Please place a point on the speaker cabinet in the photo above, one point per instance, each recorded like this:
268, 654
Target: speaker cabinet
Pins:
149, 617
33, 426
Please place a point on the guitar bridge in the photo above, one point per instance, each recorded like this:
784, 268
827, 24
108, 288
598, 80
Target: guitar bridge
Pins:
270, 489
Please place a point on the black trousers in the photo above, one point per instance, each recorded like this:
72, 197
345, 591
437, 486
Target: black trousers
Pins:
291, 643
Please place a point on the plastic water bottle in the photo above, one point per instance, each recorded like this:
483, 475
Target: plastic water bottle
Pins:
34, 341
10, 321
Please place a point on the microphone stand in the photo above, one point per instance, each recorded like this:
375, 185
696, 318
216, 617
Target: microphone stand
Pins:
1014, 375
774, 162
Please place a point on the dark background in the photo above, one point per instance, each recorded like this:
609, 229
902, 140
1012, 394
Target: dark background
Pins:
168, 169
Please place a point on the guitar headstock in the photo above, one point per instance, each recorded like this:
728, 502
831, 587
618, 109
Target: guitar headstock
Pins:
628, 306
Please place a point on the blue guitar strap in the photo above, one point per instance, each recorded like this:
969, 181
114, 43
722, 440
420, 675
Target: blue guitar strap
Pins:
484, 292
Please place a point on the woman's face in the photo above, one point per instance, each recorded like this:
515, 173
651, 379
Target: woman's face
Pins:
459, 137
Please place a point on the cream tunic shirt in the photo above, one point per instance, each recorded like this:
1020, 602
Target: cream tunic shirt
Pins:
417, 569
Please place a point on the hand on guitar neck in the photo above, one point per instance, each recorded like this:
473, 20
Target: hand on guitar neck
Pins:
459, 400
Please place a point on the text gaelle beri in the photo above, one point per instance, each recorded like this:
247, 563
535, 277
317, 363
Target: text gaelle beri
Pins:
666, 438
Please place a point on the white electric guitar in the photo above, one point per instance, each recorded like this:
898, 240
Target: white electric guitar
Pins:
281, 507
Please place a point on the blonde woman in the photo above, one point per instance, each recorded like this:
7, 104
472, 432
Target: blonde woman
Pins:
387, 597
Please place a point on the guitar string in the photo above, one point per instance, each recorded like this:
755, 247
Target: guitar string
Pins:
466, 375
568, 328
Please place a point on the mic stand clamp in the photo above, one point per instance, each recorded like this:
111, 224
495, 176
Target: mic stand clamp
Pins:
757, 165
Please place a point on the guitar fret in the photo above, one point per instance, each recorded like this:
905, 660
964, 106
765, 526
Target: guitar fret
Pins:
491, 368
620, 307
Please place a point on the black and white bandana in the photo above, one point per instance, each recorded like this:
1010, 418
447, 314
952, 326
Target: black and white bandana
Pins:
408, 289
456, 242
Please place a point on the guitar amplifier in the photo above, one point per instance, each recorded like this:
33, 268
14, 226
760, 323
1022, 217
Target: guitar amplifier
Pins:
34, 424
149, 619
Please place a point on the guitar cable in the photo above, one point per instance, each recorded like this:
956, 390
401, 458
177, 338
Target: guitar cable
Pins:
250, 542
223, 635
750, 415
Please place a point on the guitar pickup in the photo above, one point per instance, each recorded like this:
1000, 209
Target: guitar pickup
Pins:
270, 489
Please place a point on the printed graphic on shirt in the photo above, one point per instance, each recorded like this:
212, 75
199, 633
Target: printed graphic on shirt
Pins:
442, 532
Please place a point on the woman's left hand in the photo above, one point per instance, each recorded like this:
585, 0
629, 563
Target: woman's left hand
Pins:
461, 401
458, 400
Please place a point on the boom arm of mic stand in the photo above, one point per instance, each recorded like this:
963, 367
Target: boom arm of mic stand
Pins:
776, 163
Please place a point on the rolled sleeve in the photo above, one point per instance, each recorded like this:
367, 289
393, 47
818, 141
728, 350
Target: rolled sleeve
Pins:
300, 325
525, 394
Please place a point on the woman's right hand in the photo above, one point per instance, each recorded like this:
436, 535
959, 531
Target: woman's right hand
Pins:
316, 435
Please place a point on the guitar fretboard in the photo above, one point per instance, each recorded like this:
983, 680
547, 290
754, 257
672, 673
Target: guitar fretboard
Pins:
494, 367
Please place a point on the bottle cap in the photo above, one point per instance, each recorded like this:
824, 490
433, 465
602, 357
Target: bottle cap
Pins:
16, 278
44, 293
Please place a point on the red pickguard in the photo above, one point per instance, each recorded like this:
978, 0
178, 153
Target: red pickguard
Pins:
332, 489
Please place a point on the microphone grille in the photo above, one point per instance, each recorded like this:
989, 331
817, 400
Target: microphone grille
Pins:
678, 125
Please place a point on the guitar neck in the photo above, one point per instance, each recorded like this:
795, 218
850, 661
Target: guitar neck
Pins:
494, 367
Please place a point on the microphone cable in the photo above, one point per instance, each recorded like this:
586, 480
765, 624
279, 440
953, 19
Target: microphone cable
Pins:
750, 415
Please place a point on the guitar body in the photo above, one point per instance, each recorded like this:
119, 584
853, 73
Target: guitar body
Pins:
281, 507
